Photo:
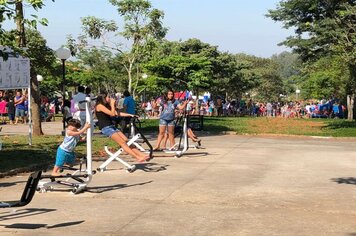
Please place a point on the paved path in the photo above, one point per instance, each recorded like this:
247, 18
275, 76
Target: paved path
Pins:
238, 185
50, 128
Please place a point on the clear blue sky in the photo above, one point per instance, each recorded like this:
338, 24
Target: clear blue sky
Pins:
233, 25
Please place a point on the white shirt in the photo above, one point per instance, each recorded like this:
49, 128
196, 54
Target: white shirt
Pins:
78, 98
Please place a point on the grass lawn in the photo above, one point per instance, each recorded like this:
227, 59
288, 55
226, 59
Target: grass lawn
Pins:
263, 125
17, 154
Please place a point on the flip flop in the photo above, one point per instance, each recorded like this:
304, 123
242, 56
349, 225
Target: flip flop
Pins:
157, 150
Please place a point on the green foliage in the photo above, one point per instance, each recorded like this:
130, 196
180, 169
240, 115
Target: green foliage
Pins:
322, 28
8, 12
95, 28
326, 78
173, 65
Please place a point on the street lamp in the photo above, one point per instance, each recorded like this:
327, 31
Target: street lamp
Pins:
63, 54
144, 76
39, 78
297, 92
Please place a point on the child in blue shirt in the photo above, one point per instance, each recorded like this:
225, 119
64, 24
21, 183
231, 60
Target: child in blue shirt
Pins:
65, 152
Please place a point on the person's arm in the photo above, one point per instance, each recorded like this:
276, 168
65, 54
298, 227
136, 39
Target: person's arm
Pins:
17, 101
182, 105
110, 112
79, 132
124, 114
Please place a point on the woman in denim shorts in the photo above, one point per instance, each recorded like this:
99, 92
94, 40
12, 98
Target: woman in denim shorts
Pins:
105, 109
167, 118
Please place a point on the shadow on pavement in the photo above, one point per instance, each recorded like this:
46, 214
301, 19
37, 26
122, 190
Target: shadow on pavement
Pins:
14, 214
37, 226
348, 180
3, 185
101, 189
196, 154
151, 167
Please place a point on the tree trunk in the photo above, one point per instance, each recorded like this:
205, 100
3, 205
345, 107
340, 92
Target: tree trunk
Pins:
352, 89
129, 74
350, 107
36, 107
20, 37
35, 98
197, 110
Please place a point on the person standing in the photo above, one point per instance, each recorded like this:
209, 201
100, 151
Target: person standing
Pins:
10, 107
3, 112
79, 107
129, 106
19, 107
167, 118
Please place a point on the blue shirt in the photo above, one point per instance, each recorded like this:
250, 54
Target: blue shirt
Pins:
20, 106
69, 143
130, 105
168, 110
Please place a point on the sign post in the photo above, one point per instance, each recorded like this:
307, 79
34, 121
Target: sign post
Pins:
15, 74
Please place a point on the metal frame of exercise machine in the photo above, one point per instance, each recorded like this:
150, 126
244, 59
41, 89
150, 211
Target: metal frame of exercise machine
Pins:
136, 135
28, 192
78, 180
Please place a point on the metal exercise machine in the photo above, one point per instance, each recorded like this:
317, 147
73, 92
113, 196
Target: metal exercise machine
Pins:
137, 135
80, 178
27, 194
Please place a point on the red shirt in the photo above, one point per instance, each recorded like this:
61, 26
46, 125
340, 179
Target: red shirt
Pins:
3, 107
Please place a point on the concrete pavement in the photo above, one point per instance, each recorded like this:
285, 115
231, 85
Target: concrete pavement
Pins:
237, 185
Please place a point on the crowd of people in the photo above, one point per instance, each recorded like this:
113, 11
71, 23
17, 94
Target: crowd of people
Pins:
13, 107
113, 113
221, 107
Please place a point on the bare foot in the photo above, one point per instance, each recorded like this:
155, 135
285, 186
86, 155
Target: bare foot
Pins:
55, 174
144, 158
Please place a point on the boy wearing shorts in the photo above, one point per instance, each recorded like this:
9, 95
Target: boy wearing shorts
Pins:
65, 152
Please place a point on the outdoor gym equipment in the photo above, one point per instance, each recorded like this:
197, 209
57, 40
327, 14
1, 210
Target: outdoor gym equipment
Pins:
80, 178
136, 136
27, 193
178, 149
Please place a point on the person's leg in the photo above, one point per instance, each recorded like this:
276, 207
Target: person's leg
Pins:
122, 135
133, 148
171, 135
165, 140
55, 171
60, 159
162, 131
16, 116
117, 137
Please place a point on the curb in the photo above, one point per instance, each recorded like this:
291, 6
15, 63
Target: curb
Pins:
24, 170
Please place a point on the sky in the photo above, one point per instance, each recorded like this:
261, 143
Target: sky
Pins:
236, 26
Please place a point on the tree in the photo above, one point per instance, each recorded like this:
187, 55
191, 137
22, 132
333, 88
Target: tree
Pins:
322, 28
16, 40
326, 78
141, 24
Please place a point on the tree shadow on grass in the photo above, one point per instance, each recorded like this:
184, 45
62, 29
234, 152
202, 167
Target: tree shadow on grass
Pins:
26, 160
341, 124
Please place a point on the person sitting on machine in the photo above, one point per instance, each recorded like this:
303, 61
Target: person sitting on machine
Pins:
105, 109
65, 152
